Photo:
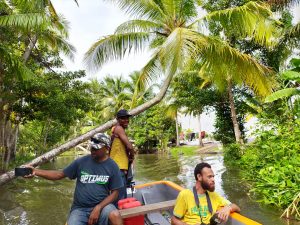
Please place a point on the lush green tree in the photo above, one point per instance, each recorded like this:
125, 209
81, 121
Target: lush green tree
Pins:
189, 94
30, 26
54, 102
230, 76
152, 129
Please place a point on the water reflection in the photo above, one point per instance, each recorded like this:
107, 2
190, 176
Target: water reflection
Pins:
38, 201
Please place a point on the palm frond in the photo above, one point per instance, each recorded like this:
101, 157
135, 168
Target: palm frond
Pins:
58, 43
295, 31
179, 9
60, 25
178, 49
222, 63
252, 20
171, 56
284, 93
25, 21
114, 47
147, 9
148, 73
137, 26
15, 65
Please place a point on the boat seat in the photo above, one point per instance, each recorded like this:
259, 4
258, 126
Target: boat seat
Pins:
155, 217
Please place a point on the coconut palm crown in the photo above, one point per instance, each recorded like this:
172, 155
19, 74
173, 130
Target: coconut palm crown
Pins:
176, 34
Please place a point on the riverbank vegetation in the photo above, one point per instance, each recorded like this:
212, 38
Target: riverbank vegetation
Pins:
272, 161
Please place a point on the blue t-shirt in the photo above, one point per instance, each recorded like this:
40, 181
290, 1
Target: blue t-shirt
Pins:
94, 182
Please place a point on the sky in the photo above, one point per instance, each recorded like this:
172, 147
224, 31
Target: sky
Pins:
96, 18
90, 21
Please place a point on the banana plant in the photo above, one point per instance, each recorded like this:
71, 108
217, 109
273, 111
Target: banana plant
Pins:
292, 80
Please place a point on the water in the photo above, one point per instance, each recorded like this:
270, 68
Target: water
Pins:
40, 202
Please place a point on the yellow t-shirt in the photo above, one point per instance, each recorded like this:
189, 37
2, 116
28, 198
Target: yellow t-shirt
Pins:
187, 210
118, 154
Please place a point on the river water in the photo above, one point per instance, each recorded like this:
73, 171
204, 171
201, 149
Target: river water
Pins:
40, 202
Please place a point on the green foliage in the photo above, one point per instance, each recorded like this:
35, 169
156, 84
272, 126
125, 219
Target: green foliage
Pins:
288, 96
232, 153
152, 129
55, 102
272, 162
59, 97
187, 92
223, 125
184, 150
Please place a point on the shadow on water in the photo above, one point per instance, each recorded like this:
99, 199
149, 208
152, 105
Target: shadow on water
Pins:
37, 201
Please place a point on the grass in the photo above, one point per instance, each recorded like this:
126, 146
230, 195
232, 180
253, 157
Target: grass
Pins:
185, 150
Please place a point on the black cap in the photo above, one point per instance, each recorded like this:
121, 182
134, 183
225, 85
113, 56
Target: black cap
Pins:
123, 113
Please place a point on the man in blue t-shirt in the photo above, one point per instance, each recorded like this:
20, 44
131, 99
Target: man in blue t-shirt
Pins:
98, 180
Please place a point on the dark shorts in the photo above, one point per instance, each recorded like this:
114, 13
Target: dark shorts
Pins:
80, 216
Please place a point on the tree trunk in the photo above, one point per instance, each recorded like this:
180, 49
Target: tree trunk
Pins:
4, 178
177, 130
200, 136
29, 48
237, 132
10, 132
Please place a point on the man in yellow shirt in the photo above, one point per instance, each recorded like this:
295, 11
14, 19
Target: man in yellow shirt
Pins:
122, 151
198, 206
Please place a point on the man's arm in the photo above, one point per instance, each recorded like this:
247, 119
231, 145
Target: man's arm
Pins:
176, 221
224, 213
234, 208
120, 132
49, 174
97, 209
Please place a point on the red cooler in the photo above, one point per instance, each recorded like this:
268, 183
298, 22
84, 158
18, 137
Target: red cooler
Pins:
137, 220
125, 200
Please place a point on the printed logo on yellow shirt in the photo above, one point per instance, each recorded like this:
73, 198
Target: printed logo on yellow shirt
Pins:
202, 211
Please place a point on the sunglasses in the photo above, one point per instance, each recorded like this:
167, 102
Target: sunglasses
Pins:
96, 147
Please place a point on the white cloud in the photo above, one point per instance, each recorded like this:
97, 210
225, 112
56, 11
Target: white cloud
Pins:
296, 13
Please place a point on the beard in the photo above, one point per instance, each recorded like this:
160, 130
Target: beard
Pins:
207, 187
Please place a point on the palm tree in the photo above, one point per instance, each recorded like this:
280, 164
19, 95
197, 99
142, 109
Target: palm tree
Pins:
172, 110
139, 94
30, 25
176, 35
172, 30
114, 96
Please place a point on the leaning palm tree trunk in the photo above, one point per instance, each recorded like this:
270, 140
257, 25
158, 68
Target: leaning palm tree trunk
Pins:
6, 177
237, 132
